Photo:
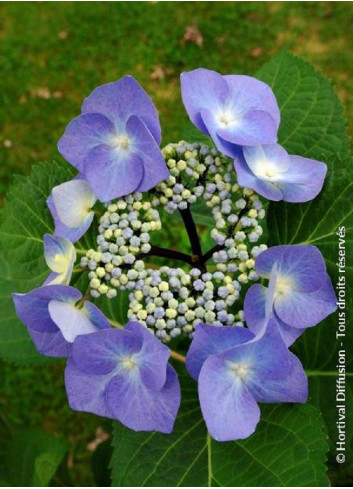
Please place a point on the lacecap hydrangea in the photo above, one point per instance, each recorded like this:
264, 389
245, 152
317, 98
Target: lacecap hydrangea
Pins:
124, 191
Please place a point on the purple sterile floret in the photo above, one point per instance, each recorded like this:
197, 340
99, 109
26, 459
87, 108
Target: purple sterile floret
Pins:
235, 110
124, 375
54, 319
114, 143
237, 373
276, 175
299, 294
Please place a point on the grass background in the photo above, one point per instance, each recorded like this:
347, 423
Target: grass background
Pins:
53, 54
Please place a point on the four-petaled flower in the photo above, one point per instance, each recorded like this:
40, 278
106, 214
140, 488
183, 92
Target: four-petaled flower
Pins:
114, 143
299, 294
125, 375
235, 370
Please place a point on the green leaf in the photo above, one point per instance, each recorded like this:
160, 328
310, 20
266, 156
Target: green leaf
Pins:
287, 449
115, 309
25, 218
100, 464
33, 457
191, 134
312, 122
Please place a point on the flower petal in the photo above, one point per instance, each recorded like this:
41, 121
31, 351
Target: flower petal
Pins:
229, 409
229, 149
99, 353
269, 156
60, 255
72, 234
248, 92
203, 89
73, 202
113, 173
119, 100
141, 408
82, 134
256, 300
152, 358
294, 388
305, 179
246, 178
70, 320
289, 333
154, 167
252, 128
302, 264
86, 392
210, 340
305, 309
265, 357
32, 309
50, 344
254, 308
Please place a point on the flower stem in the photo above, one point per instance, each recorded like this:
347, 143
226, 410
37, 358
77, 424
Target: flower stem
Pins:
167, 253
189, 223
177, 356
81, 302
192, 231
115, 324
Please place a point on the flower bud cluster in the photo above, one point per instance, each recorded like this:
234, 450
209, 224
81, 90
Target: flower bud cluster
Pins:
171, 301
198, 171
124, 234
190, 166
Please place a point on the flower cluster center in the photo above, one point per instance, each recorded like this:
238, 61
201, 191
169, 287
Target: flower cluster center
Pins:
121, 141
168, 299
284, 286
239, 369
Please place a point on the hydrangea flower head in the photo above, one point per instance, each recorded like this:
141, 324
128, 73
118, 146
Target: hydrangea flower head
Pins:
235, 110
276, 175
239, 370
60, 255
114, 143
124, 375
300, 292
54, 317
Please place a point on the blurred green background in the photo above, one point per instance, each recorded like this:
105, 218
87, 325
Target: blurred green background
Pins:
53, 54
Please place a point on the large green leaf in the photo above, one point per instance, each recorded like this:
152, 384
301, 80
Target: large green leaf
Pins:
32, 458
312, 122
287, 449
